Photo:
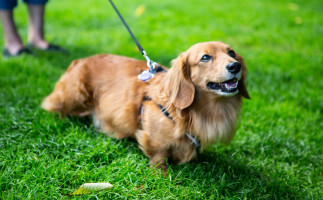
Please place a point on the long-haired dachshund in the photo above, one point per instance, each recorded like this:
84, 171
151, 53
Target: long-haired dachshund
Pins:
178, 112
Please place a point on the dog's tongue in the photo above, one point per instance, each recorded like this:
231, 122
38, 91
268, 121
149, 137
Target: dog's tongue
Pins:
229, 85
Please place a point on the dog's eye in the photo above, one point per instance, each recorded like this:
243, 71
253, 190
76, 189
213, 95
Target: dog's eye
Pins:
231, 53
206, 58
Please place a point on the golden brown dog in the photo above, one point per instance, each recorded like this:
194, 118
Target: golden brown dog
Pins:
197, 100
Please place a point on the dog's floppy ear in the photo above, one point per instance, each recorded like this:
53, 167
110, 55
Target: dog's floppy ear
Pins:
241, 85
178, 85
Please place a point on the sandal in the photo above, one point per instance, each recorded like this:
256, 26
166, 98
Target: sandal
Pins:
6, 52
51, 47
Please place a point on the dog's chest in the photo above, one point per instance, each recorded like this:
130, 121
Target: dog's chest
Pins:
214, 123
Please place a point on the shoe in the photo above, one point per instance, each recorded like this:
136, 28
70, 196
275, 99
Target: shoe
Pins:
51, 47
6, 52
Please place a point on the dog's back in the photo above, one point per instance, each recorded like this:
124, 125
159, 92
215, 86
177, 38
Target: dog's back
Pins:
97, 83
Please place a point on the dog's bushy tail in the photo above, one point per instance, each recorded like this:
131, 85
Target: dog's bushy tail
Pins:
53, 102
70, 96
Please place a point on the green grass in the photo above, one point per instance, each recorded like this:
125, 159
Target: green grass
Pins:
276, 154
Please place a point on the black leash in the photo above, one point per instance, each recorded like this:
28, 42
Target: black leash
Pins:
153, 66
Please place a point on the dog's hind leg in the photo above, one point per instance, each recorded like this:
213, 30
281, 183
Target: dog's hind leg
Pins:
71, 95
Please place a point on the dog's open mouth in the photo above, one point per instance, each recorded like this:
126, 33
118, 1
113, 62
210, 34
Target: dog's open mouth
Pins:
229, 86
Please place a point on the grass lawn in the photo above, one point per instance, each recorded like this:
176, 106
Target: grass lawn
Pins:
278, 149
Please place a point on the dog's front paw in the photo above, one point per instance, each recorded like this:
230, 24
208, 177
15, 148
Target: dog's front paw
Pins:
160, 163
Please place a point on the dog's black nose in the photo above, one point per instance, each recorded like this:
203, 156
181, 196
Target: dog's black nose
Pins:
234, 67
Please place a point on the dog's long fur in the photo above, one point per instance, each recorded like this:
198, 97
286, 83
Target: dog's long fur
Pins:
107, 87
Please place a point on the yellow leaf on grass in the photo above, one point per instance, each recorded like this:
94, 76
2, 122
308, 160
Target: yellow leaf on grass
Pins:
140, 10
92, 187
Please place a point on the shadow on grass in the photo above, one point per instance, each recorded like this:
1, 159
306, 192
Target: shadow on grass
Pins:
81, 121
222, 174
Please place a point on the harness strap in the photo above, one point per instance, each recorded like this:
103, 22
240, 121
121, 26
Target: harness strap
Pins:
166, 113
195, 142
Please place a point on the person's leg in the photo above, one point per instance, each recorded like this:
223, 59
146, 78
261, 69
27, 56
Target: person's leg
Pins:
36, 39
36, 26
12, 41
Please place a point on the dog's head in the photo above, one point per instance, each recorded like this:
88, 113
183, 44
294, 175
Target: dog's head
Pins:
212, 67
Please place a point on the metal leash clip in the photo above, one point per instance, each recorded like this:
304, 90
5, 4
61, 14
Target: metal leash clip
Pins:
149, 73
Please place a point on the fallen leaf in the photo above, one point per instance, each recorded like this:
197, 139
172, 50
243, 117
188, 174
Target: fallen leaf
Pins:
140, 10
92, 187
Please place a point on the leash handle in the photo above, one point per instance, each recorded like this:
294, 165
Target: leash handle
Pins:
151, 65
